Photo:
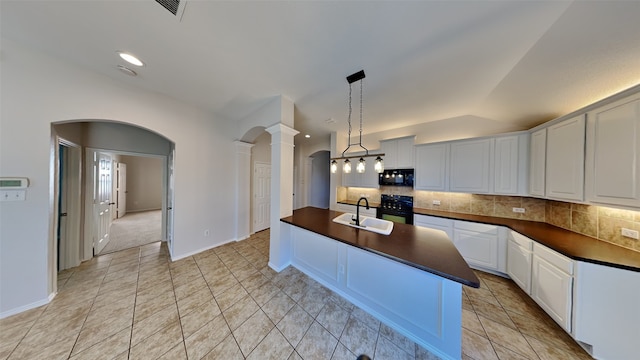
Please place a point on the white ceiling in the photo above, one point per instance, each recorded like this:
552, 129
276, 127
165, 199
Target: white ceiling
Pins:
517, 62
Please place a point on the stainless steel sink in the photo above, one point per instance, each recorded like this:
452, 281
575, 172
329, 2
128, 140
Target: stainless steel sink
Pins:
367, 223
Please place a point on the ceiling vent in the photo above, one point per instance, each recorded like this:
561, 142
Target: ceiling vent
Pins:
176, 7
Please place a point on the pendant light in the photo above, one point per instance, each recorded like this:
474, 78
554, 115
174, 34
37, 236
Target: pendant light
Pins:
346, 168
334, 166
361, 166
379, 166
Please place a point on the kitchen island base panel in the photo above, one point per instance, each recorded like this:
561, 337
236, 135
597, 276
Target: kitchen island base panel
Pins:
424, 307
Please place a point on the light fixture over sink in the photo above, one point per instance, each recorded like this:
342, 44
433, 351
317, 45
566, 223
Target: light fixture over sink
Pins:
361, 166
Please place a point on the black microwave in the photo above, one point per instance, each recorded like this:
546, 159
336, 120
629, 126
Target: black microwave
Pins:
398, 177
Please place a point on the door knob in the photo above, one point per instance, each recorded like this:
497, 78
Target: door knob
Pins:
112, 203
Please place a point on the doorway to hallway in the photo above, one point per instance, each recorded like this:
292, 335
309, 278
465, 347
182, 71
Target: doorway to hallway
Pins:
133, 230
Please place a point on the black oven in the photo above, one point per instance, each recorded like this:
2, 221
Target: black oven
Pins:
396, 208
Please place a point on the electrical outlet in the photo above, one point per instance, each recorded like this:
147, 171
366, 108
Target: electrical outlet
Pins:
518, 210
436, 202
206, 232
630, 233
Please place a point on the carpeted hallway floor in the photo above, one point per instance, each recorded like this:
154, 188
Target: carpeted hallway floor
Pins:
133, 230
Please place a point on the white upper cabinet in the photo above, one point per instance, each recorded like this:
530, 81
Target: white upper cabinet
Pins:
537, 162
398, 153
471, 166
613, 154
510, 161
565, 160
431, 167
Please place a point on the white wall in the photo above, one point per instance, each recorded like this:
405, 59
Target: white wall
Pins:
38, 90
144, 182
124, 137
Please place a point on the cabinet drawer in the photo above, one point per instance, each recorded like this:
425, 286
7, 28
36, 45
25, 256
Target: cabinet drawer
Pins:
560, 261
522, 240
472, 226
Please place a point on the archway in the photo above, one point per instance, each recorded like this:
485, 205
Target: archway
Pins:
102, 136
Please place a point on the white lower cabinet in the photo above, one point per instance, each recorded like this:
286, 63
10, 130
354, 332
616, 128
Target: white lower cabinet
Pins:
478, 243
434, 222
482, 246
606, 316
552, 284
519, 257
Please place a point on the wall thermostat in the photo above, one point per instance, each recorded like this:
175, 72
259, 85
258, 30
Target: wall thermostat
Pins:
13, 183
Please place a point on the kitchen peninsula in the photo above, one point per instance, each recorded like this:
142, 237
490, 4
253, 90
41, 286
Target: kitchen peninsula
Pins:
411, 279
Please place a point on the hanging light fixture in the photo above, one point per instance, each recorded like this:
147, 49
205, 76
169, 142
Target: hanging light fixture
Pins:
334, 166
379, 166
361, 166
346, 168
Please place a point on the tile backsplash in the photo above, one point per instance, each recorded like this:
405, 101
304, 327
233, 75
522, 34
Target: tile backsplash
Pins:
595, 221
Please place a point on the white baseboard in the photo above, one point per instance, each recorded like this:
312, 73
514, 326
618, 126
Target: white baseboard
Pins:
143, 210
23, 308
191, 253
278, 269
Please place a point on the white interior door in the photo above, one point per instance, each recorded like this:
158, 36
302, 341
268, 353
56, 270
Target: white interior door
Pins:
63, 154
261, 196
121, 190
170, 187
103, 200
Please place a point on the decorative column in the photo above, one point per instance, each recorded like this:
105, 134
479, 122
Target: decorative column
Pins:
281, 192
243, 189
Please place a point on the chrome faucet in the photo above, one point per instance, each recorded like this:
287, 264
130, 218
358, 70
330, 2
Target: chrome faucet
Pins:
358, 209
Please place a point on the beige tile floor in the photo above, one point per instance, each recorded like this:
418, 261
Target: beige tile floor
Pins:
226, 303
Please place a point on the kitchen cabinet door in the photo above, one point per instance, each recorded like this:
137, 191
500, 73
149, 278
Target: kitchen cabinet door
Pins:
510, 159
519, 258
552, 286
613, 154
431, 167
349, 179
389, 148
471, 166
368, 179
405, 153
477, 249
399, 153
434, 222
477, 243
537, 162
606, 310
565, 160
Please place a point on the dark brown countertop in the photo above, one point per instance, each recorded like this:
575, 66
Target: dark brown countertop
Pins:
411, 245
568, 243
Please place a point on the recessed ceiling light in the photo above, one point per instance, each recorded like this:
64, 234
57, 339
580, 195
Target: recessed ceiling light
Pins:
127, 71
307, 136
130, 59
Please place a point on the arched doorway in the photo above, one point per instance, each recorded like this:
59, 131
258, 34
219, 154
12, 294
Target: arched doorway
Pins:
89, 140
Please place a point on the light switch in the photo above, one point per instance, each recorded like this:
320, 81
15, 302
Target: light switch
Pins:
13, 195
